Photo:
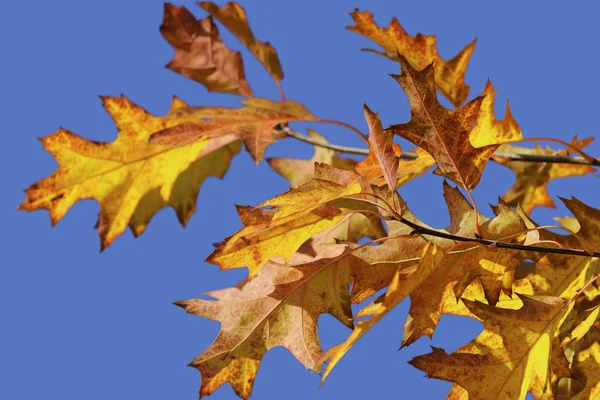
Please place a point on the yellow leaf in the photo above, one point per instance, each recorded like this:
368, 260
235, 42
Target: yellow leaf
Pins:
509, 358
488, 130
120, 174
529, 189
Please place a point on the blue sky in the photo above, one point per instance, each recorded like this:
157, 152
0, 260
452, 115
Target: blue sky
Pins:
80, 324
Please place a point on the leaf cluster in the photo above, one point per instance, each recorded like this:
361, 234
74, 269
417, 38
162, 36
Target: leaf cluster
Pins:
536, 292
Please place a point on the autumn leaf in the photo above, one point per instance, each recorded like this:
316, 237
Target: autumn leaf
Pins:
407, 169
489, 130
298, 171
459, 270
130, 179
400, 287
563, 275
254, 124
585, 383
420, 51
280, 307
295, 216
509, 358
530, 187
443, 133
200, 53
381, 144
233, 17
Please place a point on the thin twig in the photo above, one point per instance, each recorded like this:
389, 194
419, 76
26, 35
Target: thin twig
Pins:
413, 156
344, 149
421, 230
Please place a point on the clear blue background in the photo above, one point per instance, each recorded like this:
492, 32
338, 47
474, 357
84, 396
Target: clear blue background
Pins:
76, 324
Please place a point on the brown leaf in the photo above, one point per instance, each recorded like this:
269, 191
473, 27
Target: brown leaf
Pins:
441, 132
381, 144
280, 307
400, 287
254, 123
233, 17
200, 53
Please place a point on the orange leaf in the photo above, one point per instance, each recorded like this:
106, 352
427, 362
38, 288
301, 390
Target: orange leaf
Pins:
381, 144
200, 53
233, 17
420, 51
443, 133
254, 123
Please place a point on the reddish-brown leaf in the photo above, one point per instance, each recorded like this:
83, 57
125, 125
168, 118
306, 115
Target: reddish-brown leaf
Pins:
443, 133
233, 17
200, 53
254, 123
382, 145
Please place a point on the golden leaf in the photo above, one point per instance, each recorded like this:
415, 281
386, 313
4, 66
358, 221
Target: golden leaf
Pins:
420, 51
120, 174
509, 358
529, 189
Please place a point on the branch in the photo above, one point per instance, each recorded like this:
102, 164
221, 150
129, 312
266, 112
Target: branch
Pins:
412, 156
421, 230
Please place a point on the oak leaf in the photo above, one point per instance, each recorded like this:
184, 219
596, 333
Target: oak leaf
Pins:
254, 123
443, 133
382, 146
280, 307
400, 287
233, 17
420, 51
200, 53
120, 174
407, 169
295, 216
509, 358
489, 130
459, 270
529, 189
